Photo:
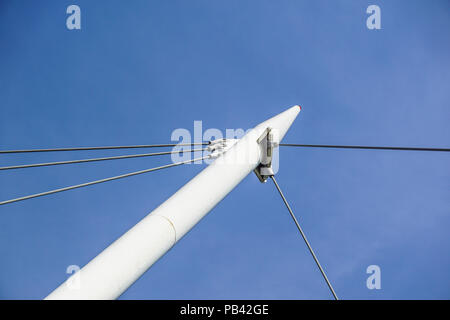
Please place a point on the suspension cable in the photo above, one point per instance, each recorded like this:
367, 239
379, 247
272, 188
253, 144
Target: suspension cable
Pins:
304, 238
97, 159
105, 148
206, 143
363, 147
102, 180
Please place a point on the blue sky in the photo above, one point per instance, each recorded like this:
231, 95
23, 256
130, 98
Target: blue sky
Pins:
137, 70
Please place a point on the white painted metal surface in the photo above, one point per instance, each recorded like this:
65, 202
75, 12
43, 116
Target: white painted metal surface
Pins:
109, 274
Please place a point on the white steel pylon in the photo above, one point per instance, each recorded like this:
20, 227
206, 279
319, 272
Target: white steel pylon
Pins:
117, 267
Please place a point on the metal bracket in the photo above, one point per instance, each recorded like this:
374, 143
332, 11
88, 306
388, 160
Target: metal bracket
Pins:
264, 170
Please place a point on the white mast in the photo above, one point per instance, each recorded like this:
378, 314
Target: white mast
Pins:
117, 267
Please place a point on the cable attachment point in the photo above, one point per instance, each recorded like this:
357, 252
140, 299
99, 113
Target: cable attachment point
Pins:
220, 146
267, 144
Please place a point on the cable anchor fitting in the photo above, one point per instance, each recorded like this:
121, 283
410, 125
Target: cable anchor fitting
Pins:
220, 146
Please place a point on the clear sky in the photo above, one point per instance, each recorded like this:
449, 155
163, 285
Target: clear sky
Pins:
137, 70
